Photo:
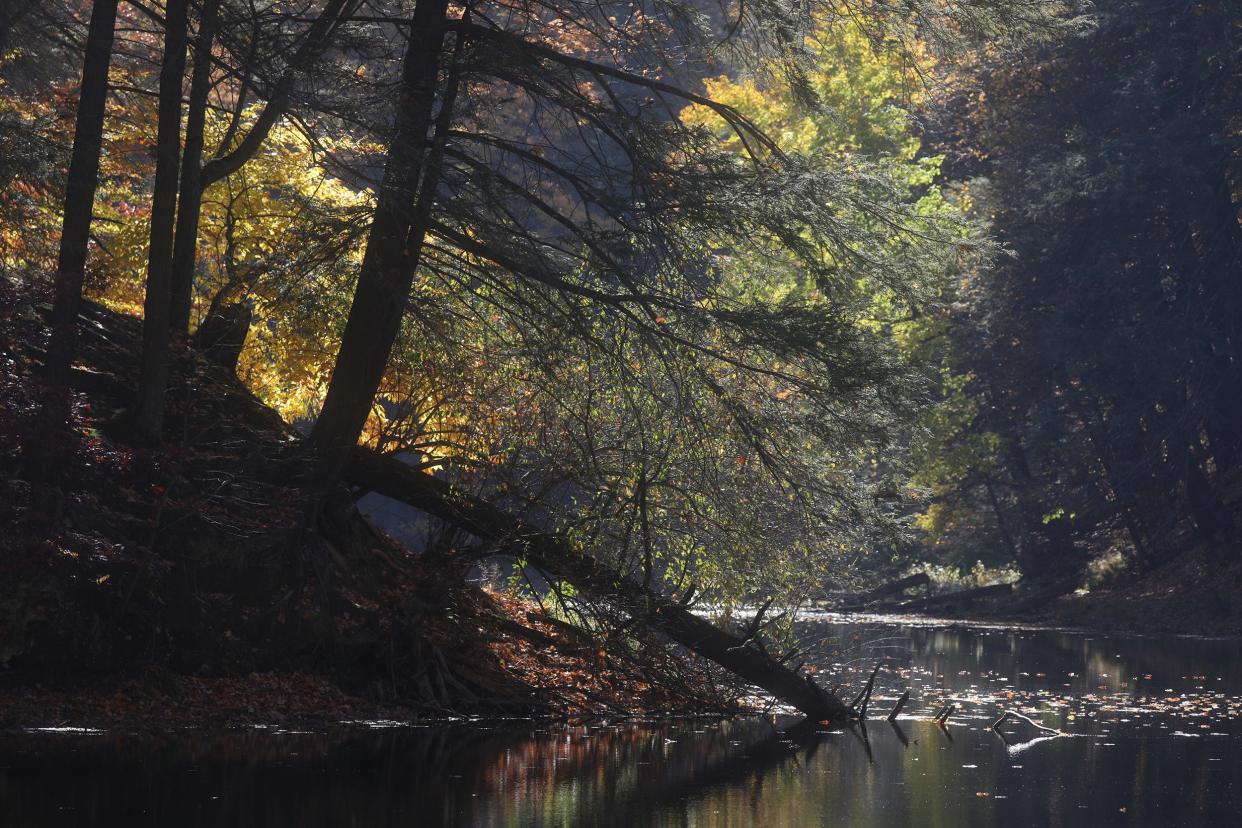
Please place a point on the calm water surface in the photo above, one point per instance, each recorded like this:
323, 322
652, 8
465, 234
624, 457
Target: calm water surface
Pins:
1151, 740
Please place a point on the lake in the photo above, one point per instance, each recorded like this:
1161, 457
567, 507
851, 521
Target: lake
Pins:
1149, 723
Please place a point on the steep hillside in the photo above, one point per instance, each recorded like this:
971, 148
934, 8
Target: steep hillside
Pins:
179, 583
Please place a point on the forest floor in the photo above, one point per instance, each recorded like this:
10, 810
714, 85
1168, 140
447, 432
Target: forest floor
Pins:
178, 585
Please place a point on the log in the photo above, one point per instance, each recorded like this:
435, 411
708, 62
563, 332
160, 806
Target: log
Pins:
918, 579
947, 599
858, 600
577, 634
1036, 595
392, 478
1010, 714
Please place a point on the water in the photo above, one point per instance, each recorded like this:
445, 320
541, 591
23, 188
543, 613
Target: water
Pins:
1150, 723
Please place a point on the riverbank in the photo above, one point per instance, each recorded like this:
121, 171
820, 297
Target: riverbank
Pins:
1194, 594
1197, 592
154, 586
533, 667
535, 671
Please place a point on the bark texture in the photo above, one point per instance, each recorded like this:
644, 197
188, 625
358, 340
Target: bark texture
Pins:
80, 191
189, 202
147, 416
394, 244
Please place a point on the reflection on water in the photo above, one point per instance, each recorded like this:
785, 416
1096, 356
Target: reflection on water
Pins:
1150, 741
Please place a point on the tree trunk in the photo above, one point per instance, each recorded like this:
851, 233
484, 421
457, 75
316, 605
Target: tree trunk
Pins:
392, 478
394, 245
854, 601
80, 191
222, 335
189, 203
147, 417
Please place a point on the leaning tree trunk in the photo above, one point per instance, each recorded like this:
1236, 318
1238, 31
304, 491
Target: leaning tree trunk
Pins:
80, 191
189, 202
392, 478
394, 245
147, 417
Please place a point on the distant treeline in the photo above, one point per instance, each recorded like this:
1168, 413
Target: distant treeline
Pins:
1101, 358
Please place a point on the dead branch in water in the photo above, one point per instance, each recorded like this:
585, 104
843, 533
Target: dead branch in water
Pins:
1010, 714
901, 702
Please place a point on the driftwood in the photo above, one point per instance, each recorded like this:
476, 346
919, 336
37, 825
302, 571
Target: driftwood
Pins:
1009, 714
1036, 595
964, 596
392, 478
845, 600
918, 579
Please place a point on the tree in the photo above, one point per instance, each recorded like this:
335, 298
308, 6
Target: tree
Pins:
395, 243
80, 190
148, 412
725, 307
190, 196
232, 157
1101, 353
171, 262
585, 229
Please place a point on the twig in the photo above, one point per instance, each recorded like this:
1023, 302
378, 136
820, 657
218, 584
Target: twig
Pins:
865, 695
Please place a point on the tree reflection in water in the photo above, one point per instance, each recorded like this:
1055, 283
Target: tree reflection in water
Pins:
1166, 758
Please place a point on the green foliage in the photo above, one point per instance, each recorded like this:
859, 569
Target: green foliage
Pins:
685, 337
861, 124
